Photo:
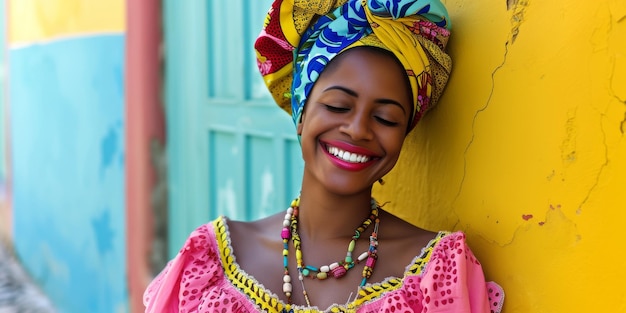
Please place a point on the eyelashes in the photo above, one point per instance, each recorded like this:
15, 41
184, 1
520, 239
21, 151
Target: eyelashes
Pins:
336, 109
340, 109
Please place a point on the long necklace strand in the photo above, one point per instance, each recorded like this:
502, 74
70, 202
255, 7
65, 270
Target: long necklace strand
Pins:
336, 269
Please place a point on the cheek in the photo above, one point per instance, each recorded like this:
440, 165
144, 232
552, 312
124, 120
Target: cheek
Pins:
396, 141
395, 148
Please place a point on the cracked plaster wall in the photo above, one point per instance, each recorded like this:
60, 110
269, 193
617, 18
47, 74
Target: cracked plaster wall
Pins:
526, 151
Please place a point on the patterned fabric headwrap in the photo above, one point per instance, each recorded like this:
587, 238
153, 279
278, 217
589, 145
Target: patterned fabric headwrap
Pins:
300, 37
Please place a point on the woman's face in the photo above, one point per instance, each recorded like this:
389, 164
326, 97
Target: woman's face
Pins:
355, 121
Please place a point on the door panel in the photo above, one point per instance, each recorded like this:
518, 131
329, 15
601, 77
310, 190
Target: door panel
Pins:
232, 151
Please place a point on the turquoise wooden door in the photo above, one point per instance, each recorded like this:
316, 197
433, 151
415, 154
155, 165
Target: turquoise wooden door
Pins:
230, 149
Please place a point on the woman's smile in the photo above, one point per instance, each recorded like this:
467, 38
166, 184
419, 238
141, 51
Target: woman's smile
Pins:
347, 156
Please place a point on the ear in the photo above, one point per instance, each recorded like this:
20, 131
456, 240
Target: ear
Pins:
300, 125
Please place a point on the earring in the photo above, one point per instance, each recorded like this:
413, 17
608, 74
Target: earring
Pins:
381, 181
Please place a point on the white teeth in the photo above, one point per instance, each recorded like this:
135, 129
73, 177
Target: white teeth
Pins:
347, 156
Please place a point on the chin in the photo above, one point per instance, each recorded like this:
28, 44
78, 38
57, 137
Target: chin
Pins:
347, 187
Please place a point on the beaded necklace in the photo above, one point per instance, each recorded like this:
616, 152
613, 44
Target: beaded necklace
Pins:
336, 269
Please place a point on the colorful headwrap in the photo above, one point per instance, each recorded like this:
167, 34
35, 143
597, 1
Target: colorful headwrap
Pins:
315, 31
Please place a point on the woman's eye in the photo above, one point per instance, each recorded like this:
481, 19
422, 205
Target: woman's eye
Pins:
336, 109
385, 122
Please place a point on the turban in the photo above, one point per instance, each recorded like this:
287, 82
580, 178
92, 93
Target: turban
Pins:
300, 37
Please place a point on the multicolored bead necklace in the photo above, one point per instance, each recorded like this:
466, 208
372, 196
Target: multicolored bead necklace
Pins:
337, 269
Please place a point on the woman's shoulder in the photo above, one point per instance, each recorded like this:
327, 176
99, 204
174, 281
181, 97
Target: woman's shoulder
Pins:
203, 237
397, 228
446, 273
264, 229
453, 270
254, 238
202, 243
195, 267
404, 240
444, 277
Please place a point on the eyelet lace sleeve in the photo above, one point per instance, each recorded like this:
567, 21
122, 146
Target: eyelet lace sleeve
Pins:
454, 281
178, 288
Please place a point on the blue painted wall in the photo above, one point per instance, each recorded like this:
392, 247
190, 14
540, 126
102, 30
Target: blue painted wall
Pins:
3, 120
67, 134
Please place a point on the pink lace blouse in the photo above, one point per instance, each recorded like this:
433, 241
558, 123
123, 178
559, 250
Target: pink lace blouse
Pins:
204, 277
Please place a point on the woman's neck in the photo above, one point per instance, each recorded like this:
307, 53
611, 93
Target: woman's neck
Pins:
326, 215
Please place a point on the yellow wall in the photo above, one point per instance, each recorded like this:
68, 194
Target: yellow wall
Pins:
33, 20
526, 151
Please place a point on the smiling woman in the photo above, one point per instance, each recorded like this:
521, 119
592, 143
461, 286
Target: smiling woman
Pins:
355, 120
356, 77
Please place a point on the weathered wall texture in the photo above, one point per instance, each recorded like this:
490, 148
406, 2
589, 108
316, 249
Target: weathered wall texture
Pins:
66, 99
526, 152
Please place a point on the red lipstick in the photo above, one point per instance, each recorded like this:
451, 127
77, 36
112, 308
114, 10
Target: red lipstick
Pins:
346, 165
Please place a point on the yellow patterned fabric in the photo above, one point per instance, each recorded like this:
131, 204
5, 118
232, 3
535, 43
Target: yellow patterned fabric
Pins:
300, 38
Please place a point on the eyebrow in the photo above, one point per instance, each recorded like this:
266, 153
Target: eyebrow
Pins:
354, 94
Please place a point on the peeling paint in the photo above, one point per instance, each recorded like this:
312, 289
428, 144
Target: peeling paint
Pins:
562, 231
568, 146
519, 8
510, 4
557, 219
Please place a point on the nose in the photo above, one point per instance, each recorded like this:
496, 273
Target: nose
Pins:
357, 126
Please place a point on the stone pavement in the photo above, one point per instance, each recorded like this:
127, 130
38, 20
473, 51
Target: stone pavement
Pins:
18, 292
